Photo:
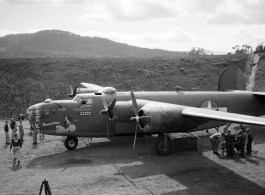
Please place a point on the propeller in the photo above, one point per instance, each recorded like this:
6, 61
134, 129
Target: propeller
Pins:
107, 111
138, 119
74, 92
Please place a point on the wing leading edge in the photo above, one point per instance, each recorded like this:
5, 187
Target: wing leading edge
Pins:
222, 116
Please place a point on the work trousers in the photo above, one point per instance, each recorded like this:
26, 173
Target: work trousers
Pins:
214, 145
242, 150
230, 150
35, 135
21, 135
16, 152
249, 147
7, 138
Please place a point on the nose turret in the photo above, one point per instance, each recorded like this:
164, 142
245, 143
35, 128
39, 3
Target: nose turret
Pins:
33, 113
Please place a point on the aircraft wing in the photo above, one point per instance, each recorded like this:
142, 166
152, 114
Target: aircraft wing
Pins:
89, 85
222, 116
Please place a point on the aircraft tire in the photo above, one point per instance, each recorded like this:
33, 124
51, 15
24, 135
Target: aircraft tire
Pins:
71, 143
158, 146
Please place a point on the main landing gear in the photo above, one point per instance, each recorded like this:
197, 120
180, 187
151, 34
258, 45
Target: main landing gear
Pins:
163, 144
71, 143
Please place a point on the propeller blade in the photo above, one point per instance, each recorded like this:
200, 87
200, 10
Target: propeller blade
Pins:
71, 89
135, 137
147, 144
74, 92
145, 119
105, 104
108, 127
111, 105
135, 107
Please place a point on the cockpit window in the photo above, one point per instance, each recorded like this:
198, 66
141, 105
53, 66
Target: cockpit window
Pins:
83, 100
87, 100
77, 98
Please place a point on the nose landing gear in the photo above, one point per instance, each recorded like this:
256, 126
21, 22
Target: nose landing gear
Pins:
71, 143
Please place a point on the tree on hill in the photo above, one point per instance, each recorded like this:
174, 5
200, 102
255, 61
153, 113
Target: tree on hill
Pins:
245, 49
199, 51
260, 48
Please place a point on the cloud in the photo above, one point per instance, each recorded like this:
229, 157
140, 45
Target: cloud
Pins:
46, 2
130, 10
239, 11
217, 38
4, 32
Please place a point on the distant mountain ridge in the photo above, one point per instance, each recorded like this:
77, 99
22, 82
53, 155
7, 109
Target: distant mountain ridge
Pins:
62, 44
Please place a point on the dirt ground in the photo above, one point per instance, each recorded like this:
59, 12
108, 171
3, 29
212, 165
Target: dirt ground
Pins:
112, 167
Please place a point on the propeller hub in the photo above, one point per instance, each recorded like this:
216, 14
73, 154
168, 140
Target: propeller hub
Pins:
103, 112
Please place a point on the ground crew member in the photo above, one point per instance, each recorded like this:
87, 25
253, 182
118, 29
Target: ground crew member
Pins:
242, 128
249, 142
13, 126
226, 128
229, 140
242, 144
16, 143
35, 135
21, 131
215, 140
6, 129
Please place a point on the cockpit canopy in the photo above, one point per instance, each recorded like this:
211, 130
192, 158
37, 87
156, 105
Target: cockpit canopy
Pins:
84, 98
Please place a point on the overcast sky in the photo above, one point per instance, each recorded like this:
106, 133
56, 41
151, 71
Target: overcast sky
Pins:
176, 25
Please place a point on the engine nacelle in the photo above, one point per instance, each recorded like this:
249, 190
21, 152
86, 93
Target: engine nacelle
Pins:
163, 117
123, 110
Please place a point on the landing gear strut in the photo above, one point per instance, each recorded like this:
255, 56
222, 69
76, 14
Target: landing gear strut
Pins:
71, 143
163, 144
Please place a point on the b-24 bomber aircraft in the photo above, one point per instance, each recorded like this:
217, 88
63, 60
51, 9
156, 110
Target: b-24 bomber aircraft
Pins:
105, 112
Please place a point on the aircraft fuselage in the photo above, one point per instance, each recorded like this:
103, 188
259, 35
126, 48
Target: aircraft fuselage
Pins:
80, 117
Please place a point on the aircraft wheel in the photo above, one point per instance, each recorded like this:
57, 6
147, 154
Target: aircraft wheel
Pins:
71, 143
159, 147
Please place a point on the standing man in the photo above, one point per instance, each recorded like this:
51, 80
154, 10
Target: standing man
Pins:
229, 141
16, 143
249, 142
6, 128
13, 126
226, 128
35, 134
242, 144
215, 140
21, 131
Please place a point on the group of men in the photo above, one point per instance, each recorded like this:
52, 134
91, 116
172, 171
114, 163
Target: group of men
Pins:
15, 142
231, 143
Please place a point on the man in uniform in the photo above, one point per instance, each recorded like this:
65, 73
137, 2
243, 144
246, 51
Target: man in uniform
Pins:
13, 126
215, 140
249, 142
16, 143
226, 128
229, 141
7, 133
21, 131
242, 144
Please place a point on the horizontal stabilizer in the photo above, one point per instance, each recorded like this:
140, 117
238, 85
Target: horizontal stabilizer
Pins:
89, 85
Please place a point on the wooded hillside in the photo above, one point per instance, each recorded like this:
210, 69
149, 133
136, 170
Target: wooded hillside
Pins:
61, 44
25, 82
